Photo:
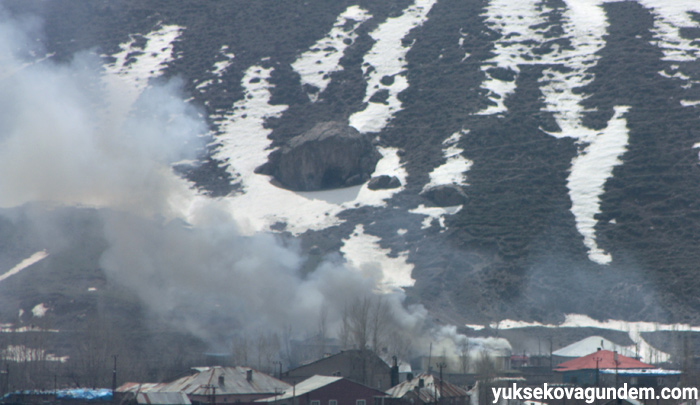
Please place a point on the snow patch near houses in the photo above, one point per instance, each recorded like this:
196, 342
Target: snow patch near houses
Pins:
36, 257
23, 354
316, 65
10, 328
39, 310
590, 170
634, 329
363, 252
384, 67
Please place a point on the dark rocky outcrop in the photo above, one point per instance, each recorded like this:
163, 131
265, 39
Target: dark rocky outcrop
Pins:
445, 195
329, 155
383, 182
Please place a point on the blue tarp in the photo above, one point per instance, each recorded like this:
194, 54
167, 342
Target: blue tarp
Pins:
101, 394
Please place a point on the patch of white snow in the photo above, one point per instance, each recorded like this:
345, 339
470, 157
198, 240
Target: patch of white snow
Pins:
36, 257
513, 19
433, 213
690, 103
39, 310
589, 172
585, 25
243, 145
129, 74
387, 59
634, 329
221, 66
316, 65
22, 354
455, 166
390, 165
363, 252
669, 17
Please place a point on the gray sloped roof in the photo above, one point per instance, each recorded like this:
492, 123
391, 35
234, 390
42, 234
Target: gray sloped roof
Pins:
306, 386
163, 398
590, 345
235, 382
431, 390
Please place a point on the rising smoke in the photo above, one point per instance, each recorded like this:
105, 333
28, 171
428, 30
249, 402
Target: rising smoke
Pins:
66, 140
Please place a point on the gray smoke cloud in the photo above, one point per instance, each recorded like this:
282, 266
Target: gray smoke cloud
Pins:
216, 283
63, 142
60, 143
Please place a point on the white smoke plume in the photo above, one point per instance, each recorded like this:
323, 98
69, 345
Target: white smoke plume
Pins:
62, 142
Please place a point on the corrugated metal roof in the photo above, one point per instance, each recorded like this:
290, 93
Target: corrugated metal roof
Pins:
350, 352
590, 345
139, 387
430, 390
227, 380
601, 359
163, 398
304, 387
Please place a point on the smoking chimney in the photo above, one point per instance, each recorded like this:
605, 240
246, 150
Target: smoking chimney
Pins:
395, 373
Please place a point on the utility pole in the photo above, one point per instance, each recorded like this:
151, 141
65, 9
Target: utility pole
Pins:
430, 357
212, 400
114, 375
617, 365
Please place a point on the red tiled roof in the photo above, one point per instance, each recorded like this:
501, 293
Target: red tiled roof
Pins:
604, 359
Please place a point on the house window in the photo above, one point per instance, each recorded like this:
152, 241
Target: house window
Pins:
315, 402
332, 402
360, 402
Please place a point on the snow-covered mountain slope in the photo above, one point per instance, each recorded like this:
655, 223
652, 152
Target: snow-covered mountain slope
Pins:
570, 128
